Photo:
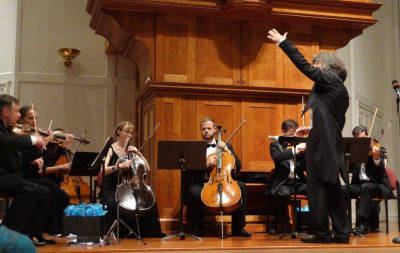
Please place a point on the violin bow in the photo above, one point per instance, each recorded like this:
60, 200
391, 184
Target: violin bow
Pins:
149, 137
234, 131
302, 109
373, 122
34, 119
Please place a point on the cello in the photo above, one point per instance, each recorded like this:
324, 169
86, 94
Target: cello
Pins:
134, 194
222, 193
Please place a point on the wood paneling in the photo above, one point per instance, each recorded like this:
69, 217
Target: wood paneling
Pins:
263, 119
218, 47
175, 53
262, 60
226, 113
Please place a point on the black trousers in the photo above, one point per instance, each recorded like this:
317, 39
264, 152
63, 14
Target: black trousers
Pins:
366, 210
29, 209
59, 202
149, 223
195, 208
283, 194
327, 200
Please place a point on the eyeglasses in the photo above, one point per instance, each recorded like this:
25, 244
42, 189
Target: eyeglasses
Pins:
128, 132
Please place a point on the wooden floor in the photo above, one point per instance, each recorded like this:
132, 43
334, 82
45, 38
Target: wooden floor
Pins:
259, 242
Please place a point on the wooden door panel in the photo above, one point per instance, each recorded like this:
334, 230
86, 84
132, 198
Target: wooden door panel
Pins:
263, 119
262, 60
224, 112
175, 48
167, 184
218, 49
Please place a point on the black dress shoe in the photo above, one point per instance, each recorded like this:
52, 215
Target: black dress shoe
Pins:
242, 233
360, 230
340, 239
316, 239
272, 231
41, 240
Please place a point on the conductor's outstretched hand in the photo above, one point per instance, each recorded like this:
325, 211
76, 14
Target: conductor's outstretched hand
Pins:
275, 36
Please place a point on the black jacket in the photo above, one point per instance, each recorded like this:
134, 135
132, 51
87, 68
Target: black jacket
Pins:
10, 151
202, 176
329, 100
280, 175
376, 174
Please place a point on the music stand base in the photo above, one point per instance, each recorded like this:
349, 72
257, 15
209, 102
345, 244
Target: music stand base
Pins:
181, 235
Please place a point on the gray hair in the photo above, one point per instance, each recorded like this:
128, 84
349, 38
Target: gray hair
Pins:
330, 61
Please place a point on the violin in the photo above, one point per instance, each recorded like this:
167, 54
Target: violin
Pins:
221, 193
20, 129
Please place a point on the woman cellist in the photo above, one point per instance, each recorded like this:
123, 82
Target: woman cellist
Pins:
148, 222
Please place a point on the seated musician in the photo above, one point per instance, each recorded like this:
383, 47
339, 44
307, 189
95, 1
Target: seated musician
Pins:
29, 208
149, 224
195, 182
34, 170
369, 180
284, 182
54, 149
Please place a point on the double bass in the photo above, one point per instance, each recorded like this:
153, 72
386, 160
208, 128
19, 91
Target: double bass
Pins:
222, 193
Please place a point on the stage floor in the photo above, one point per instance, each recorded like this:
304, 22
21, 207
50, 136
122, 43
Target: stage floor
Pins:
259, 242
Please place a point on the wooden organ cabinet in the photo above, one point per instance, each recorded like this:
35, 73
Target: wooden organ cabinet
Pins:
198, 58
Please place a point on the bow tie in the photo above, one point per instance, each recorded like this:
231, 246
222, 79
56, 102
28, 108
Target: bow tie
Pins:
211, 145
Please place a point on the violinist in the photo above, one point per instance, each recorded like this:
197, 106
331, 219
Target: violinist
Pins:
195, 183
35, 168
149, 222
29, 209
369, 180
54, 149
284, 182
329, 101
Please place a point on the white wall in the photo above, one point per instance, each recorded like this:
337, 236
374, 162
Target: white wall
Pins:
8, 27
86, 96
373, 62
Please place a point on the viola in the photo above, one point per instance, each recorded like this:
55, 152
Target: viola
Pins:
221, 193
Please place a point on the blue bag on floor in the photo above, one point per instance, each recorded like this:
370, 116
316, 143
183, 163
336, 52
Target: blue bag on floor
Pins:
83, 209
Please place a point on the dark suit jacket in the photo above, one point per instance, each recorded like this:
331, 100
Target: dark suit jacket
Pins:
329, 100
280, 175
10, 154
202, 176
376, 174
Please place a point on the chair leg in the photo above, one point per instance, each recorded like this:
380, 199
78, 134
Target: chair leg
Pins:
398, 212
387, 215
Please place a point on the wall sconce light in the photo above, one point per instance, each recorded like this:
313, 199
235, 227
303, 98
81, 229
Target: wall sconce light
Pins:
68, 54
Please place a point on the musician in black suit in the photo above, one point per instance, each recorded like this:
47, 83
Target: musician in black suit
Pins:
286, 178
195, 180
28, 211
329, 100
369, 180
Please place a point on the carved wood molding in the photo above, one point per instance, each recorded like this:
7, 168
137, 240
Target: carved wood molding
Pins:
213, 90
355, 14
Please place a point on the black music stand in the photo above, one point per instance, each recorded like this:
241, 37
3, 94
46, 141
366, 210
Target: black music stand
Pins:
355, 151
293, 141
81, 167
181, 155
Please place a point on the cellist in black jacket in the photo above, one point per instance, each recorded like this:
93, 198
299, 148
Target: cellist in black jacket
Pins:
28, 211
329, 100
